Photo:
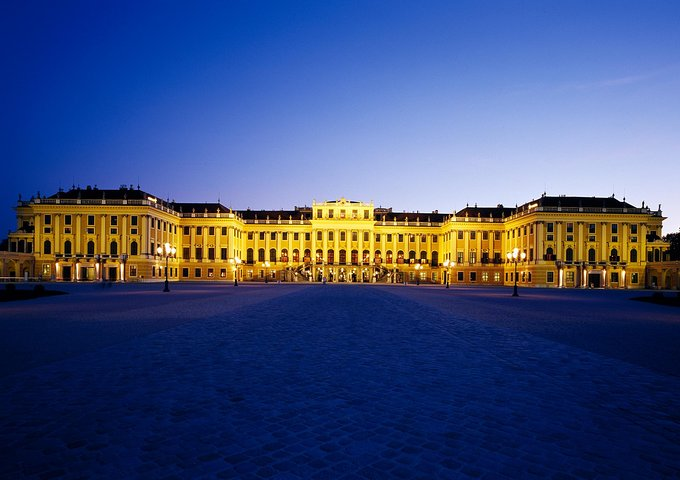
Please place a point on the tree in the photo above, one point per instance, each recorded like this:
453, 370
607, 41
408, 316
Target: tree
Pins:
674, 240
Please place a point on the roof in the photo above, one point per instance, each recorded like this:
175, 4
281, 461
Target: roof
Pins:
498, 211
184, 207
585, 202
412, 216
273, 214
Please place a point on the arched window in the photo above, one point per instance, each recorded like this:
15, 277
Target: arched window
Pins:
569, 254
388, 256
67, 248
330, 256
633, 255
296, 255
423, 255
308, 255
549, 254
284, 255
22, 246
114, 248
435, 258
412, 256
272, 255
250, 256
377, 258
47, 247
319, 256
657, 255
133, 248
355, 257
260, 255
90, 247
400, 256
343, 257
366, 256
591, 255
614, 255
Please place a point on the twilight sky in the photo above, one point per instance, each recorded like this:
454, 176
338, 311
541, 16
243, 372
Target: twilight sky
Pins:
414, 105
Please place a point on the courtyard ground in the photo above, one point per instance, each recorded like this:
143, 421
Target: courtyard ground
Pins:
338, 381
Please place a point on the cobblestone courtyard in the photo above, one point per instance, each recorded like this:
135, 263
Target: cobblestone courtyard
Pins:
338, 381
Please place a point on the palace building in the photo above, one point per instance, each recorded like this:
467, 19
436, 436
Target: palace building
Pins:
94, 234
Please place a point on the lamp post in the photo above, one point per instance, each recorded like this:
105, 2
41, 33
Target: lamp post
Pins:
235, 262
448, 264
514, 257
168, 251
266, 276
418, 267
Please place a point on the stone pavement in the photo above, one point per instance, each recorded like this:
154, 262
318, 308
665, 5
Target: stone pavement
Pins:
339, 381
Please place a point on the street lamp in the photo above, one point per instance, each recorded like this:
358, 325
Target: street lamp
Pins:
168, 251
235, 262
448, 264
514, 257
418, 267
266, 267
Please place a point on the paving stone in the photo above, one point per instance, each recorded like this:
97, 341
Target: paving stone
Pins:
339, 382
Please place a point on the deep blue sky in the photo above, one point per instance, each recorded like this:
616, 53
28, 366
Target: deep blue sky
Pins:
414, 105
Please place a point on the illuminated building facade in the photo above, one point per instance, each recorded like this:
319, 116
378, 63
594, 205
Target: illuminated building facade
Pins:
93, 234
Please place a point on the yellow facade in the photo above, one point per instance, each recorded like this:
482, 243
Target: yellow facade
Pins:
113, 235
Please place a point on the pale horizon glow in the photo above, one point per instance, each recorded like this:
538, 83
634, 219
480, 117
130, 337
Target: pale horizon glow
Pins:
272, 105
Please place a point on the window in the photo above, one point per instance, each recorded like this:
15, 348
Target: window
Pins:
389, 237
591, 228
296, 236
224, 231
197, 272
459, 258
354, 236
272, 236
615, 228
114, 220
497, 277
460, 234
308, 236
633, 255
473, 235
67, 248
47, 247
134, 250
319, 236
199, 230
186, 231
319, 213
67, 219
186, 252
365, 236
223, 253
261, 235
365, 214
634, 229
473, 257
550, 227
591, 255
211, 253
570, 227
485, 276
250, 235
199, 253
473, 276
260, 255
211, 273
223, 273
634, 277
90, 220
330, 213
434, 238
615, 277
285, 236
550, 277
411, 238
185, 272
401, 238
250, 256
48, 219
569, 256
460, 276
272, 255
330, 236
114, 248
485, 235
133, 220
211, 230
